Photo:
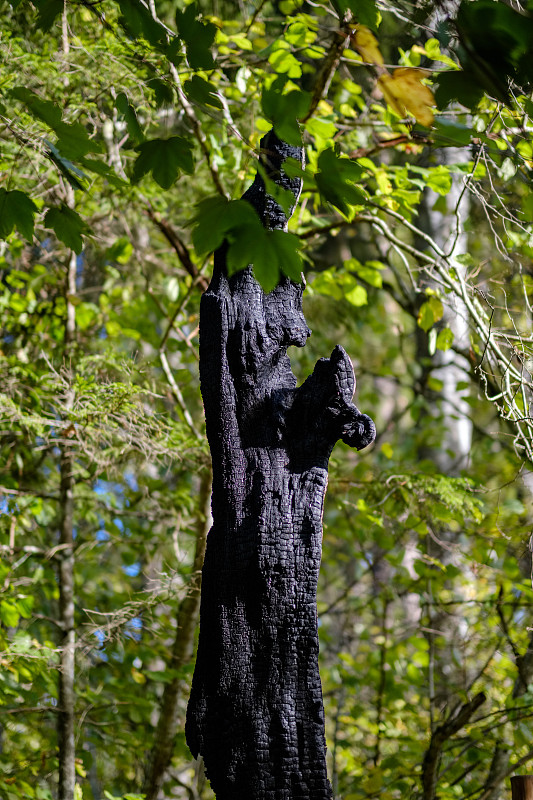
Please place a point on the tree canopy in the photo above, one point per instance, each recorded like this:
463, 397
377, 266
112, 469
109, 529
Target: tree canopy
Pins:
128, 133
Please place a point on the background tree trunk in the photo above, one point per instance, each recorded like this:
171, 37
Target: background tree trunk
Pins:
256, 712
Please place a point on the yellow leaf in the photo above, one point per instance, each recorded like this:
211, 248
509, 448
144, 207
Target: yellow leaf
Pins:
367, 45
137, 676
405, 92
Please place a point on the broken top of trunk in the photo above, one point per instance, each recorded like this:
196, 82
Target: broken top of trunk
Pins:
255, 713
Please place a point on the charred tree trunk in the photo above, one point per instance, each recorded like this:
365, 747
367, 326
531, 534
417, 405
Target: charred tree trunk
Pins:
255, 713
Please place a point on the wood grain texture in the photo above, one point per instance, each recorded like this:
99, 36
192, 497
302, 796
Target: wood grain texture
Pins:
522, 787
256, 713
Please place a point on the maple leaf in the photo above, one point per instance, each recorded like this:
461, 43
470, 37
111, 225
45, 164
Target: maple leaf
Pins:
367, 45
405, 92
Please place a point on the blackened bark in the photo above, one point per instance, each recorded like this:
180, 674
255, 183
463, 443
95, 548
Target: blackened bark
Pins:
255, 713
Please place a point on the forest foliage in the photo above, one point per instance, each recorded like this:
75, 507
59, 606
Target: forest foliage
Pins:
129, 131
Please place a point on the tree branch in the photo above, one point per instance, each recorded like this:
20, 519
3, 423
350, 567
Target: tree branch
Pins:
171, 235
439, 736
324, 76
187, 618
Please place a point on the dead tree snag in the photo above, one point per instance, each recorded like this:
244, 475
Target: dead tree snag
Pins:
256, 713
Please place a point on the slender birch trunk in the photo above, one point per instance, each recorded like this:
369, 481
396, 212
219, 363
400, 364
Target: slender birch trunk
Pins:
66, 698
66, 688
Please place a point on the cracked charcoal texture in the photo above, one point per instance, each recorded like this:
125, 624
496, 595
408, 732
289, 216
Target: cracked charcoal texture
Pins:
255, 712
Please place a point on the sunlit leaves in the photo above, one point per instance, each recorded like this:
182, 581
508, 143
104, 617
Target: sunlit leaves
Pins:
430, 312
445, 339
298, 34
9, 614
120, 251
340, 286
165, 159
370, 272
367, 45
405, 93
284, 62
383, 510
16, 211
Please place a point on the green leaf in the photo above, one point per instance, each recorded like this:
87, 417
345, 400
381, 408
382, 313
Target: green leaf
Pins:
357, 296
25, 605
48, 11
130, 117
73, 138
165, 159
67, 225
216, 217
364, 11
9, 614
120, 251
439, 179
266, 270
45, 110
173, 53
163, 92
284, 62
69, 170
430, 312
17, 210
268, 252
286, 246
209, 231
321, 128
296, 34
74, 141
203, 92
86, 315
284, 110
137, 21
445, 339
461, 86
425, 317
247, 244
335, 180
198, 37
100, 168
369, 272
283, 197
449, 133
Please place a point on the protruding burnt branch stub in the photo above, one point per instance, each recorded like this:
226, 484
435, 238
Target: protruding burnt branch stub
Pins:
255, 713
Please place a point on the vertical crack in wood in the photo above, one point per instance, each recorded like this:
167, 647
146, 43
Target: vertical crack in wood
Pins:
256, 713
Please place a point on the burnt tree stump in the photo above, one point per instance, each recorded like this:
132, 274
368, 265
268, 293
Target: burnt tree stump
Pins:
256, 713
